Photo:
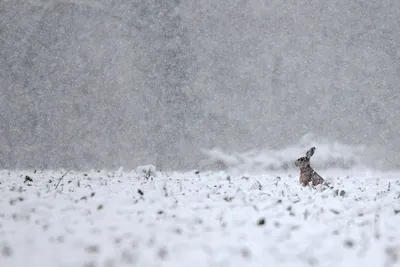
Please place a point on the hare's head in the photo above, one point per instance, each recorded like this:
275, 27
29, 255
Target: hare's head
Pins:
304, 161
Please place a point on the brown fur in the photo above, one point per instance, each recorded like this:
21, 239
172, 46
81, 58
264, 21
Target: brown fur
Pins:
307, 173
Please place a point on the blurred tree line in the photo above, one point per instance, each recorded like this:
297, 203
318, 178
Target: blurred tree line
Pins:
95, 84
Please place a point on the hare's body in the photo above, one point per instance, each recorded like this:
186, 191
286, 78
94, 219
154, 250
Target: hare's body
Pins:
307, 173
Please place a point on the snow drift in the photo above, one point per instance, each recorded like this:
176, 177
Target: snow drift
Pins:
329, 154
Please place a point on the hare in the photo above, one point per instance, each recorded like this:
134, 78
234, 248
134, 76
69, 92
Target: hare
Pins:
307, 173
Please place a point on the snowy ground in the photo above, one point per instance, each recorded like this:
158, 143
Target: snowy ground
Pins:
207, 219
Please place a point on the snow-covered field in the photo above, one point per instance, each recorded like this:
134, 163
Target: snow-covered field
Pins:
104, 218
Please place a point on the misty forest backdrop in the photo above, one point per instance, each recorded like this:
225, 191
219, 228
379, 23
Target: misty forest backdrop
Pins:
110, 83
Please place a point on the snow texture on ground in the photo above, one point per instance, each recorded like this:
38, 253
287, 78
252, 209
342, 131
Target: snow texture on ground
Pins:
148, 218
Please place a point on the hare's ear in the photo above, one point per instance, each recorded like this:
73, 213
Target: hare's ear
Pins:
310, 152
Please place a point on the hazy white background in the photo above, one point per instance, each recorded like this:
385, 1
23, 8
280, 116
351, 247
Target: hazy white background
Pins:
114, 83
